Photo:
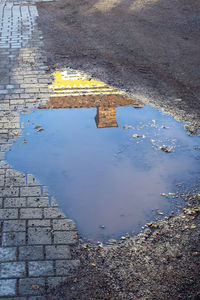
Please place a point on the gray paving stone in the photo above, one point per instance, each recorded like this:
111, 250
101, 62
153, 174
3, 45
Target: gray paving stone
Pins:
53, 282
31, 180
17, 193
7, 287
53, 213
31, 286
31, 253
40, 268
30, 213
38, 202
65, 237
15, 298
14, 225
15, 181
37, 298
15, 202
12, 269
45, 191
8, 213
64, 267
53, 202
13, 239
39, 236
64, 224
9, 192
30, 191
39, 223
58, 252
8, 254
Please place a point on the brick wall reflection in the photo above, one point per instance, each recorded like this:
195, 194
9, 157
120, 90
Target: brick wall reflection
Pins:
106, 106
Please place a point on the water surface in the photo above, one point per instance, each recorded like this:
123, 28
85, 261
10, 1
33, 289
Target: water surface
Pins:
110, 176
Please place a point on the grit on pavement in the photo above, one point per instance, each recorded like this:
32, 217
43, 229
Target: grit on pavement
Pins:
35, 236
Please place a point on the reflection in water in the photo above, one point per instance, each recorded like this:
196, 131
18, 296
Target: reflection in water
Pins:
73, 89
105, 104
113, 176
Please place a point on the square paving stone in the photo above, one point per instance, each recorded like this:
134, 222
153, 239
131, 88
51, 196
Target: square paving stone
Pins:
65, 237
58, 252
30, 191
31, 253
55, 281
39, 236
31, 286
40, 268
8, 213
13, 239
14, 202
63, 224
8, 287
8, 254
39, 223
14, 225
64, 267
53, 213
9, 192
12, 269
38, 202
30, 213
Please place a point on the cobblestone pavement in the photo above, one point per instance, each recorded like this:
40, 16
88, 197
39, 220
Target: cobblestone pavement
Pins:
35, 236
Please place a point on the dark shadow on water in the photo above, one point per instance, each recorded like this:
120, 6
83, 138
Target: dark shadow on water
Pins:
110, 176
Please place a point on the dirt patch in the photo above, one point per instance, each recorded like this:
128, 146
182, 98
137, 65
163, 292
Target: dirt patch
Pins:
160, 263
148, 48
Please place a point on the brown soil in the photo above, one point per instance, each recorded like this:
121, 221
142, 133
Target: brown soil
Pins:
149, 48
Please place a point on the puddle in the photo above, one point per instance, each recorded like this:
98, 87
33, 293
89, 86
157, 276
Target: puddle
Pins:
110, 162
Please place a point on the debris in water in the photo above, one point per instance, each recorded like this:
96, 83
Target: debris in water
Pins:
40, 129
164, 195
37, 126
154, 124
15, 132
127, 127
135, 135
165, 149
102, 226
